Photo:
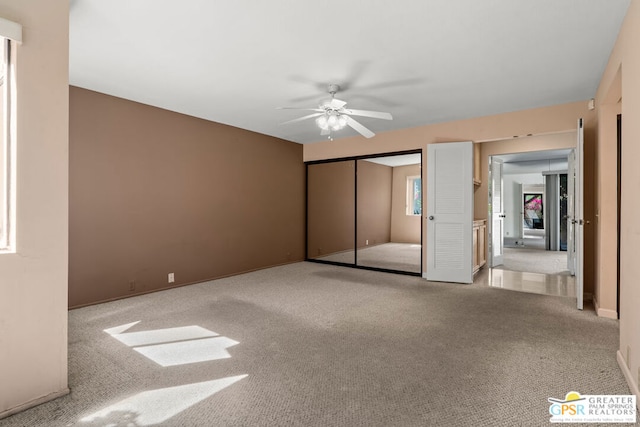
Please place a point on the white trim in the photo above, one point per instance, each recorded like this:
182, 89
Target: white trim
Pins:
34, 402
627, 376
8, 147
10, 30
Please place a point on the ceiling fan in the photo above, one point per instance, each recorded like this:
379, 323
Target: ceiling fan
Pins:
331, 115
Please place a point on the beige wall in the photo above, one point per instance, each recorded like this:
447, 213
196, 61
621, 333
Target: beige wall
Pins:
621, 79
607, 212
2, 153
154, 192
404, 228
374, 203
539, 121
554, 119
33, 281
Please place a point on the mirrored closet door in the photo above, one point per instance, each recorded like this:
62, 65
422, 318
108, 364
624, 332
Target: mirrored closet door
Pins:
366, 212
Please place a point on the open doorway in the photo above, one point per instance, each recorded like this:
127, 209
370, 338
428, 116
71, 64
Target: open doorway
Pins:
534, 274
534, 212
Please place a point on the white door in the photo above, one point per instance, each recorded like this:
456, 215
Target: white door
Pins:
575, 220
579, 196
497, 215
449, 212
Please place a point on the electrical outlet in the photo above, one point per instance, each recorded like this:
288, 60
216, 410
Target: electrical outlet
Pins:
172, 278
366, 242
132, 285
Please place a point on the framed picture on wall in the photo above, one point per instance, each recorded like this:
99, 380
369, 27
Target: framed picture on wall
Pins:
533, 210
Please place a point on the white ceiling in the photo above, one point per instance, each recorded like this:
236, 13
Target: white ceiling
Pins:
424, 61
398, 160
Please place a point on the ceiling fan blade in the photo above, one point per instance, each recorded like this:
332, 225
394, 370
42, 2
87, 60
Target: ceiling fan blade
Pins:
301, 109
359, 128
337, 103
325, 132
374, 114
299, 119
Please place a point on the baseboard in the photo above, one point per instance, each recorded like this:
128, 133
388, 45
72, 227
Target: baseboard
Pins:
604, 312
179, 285
513, 241
34, 402
629, 377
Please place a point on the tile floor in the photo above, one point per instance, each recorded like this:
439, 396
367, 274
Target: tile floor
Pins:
546, 284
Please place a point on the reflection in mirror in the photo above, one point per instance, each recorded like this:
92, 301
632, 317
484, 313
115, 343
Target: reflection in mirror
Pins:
331, 211
390, 213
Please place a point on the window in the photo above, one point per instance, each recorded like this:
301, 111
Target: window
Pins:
414, 195
7, 150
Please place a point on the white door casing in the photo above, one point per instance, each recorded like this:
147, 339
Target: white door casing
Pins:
449, 212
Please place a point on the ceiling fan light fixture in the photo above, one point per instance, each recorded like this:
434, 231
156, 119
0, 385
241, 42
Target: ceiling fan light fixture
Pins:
322, 122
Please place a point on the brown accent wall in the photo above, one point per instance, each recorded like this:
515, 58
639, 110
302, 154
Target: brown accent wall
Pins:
404, 228
154, 192
374, 203
331, 208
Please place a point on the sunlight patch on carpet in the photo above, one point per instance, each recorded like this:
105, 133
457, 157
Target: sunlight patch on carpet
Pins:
175, 346
157, 406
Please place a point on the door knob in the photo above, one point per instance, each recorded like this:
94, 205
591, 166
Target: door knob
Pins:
430, 217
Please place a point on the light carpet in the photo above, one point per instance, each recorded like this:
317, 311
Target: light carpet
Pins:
331, 346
